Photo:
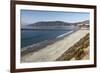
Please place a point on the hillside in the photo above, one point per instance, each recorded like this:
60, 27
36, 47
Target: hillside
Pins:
51, 23
84, 22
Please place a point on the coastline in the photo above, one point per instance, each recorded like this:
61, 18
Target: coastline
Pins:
55, 49
40, 45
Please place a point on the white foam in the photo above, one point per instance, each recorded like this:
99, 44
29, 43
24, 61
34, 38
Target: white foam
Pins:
65, 34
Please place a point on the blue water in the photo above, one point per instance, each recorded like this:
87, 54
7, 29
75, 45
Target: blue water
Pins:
29, 37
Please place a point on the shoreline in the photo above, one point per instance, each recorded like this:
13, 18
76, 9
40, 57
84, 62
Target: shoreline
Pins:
43, 44
58, 50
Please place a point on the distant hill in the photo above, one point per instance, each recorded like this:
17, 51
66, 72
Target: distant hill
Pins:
51, 23
83, 22
57, 23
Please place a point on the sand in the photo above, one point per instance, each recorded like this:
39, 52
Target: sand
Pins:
55, 50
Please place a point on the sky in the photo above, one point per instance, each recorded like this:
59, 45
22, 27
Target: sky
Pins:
33, 16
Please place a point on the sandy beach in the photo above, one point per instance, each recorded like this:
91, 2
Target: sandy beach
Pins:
53, 51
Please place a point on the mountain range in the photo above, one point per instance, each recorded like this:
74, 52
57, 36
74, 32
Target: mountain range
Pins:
57, 23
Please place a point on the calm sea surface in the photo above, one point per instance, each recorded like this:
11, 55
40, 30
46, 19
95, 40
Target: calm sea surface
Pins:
29, 37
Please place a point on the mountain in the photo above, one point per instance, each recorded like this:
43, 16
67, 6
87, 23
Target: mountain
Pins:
51, 23
57, 23
83, 22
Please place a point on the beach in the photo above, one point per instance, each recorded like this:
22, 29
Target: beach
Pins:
56, 50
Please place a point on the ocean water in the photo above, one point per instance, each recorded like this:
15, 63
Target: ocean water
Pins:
29, 37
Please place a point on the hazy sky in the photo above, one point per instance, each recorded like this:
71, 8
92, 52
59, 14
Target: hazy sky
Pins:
32, 16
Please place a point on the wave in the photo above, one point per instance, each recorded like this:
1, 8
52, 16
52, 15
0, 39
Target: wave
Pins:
37, 46
65, 34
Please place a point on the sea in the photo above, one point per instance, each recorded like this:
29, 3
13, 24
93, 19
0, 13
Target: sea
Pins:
29, 37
